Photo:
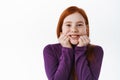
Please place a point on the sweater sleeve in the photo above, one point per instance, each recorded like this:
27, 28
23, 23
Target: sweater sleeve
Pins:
58, 69
84, 69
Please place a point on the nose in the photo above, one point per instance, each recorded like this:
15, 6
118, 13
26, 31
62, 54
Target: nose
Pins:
74, 30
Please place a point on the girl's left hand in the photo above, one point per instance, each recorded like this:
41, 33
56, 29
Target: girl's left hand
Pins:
83, 41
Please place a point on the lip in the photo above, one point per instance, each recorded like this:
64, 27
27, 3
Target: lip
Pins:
74, 36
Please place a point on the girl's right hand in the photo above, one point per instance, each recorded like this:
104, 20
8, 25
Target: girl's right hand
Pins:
64, 40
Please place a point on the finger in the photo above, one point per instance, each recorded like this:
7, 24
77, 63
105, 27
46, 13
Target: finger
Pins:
65, 37
82, 39
62, 36
68, 34
85, 39
81, 43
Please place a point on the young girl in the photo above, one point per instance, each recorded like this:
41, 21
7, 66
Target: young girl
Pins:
73, 58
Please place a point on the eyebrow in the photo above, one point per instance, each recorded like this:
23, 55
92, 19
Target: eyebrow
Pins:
71, 22
80, 22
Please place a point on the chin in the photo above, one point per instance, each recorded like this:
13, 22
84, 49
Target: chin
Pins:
74, 42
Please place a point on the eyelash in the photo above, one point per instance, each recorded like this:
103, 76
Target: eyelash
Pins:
68, 25
80, 25
76, 25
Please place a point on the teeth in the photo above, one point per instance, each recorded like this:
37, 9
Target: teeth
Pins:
73, 36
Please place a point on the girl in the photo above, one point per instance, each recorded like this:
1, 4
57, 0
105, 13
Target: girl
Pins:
73, 58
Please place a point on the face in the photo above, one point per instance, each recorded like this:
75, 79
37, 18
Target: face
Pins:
74, 25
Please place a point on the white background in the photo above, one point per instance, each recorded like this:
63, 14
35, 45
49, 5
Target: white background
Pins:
26, 26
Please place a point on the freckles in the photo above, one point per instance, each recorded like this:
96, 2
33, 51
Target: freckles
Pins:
82, 31
65, 31
85, 31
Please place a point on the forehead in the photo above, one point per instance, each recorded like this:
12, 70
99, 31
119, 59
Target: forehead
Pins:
74, 17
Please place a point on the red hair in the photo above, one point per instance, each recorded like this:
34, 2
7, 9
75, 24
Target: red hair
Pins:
71, 10
68, 11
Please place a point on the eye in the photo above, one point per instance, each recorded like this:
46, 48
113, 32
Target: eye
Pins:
69, 25
79, 25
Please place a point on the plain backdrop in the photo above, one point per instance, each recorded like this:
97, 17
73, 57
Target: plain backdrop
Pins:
27, 26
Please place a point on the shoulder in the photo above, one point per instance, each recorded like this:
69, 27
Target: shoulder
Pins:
51, 48
98, 50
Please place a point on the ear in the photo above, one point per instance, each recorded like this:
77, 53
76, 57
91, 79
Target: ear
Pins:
60, 33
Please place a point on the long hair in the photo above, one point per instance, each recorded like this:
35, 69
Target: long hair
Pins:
68, 11
71, 10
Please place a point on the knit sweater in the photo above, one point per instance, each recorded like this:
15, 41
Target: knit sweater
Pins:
59, 62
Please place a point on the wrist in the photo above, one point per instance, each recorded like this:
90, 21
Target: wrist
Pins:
67, 46
79, 48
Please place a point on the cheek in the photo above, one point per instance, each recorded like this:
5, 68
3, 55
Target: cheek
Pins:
65, 30
82, 31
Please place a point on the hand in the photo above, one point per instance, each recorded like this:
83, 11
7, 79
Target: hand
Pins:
83, 41
64, 40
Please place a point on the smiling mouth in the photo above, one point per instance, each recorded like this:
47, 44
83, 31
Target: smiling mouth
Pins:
74, 37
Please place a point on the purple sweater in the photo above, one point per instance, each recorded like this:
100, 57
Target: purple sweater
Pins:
59, 62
